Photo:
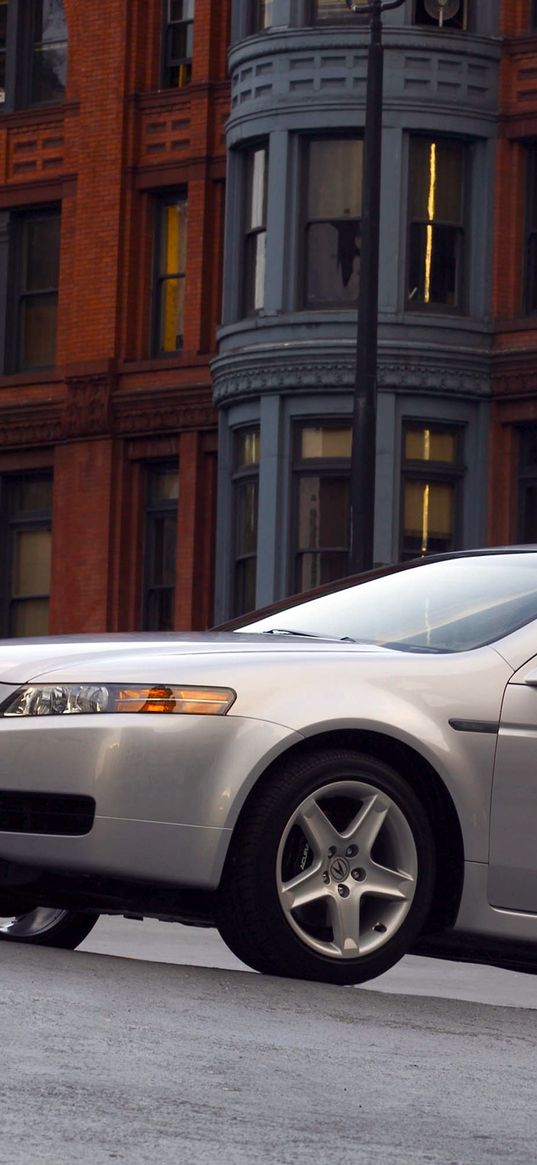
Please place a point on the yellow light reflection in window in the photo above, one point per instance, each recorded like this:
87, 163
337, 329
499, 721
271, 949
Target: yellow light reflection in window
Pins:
431, 211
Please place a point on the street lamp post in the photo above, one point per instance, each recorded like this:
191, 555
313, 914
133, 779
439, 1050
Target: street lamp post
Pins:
363, 460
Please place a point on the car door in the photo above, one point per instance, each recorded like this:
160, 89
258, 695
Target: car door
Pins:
512, 882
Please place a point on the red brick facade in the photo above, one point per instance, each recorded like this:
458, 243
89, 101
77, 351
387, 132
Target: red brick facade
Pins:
515, 341
108, 408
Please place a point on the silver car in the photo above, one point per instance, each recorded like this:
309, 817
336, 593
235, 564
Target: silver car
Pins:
328, 784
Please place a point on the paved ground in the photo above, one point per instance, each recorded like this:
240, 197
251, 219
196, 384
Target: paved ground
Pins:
126, 1059
164, 943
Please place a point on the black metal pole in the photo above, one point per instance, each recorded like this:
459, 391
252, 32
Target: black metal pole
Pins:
364, 423
363, 459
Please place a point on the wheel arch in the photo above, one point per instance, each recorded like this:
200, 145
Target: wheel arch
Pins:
428, 787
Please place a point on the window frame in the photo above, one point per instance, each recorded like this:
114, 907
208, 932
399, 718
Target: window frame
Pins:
323, 467
461, 307
20, 49
241, 474
17, 293
169, 62
259, 10
526, 475
11, 522
248, 309
306, 222
530, 231
153, 510
161, 201
439, 472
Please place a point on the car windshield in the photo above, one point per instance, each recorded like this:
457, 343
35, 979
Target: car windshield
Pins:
454, 605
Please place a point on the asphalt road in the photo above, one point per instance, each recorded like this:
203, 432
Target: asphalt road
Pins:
141, 1059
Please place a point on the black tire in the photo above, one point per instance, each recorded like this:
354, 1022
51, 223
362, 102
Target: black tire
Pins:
251, 918
66, 929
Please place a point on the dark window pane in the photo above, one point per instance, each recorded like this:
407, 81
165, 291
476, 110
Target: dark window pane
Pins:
531, 275
162, 563
49, 73
323, 512
335, 178
333, 263
181, 10
181, 41
3, 30
255, 271
30, 569
315, 569
246, 516
38, 317
246, 447
163, 485
25, 539
159, 610
436, 180
172, 314
256, 189
316, 441
262, 15
29, 617
31, 495
435, 260
426, 444
245, 585
255, 230
172, 244
528, 523
42, 247
334, 10
49, 56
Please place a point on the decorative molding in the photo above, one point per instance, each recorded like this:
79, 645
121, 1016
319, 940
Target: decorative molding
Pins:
166, 419
87, 408
241, 377
29, 425
168, 410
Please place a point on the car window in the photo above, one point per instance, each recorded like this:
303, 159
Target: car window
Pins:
451, 605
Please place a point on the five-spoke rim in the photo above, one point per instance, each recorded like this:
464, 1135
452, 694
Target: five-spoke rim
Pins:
347, 869
33, 924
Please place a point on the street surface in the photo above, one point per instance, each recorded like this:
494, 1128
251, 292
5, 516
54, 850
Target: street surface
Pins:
176, 1054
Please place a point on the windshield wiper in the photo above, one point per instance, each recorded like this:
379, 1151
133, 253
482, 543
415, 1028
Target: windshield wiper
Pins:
308, 635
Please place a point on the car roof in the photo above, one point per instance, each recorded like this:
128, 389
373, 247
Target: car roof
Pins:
378, 571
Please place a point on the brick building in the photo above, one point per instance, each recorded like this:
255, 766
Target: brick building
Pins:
513, 461
112, 166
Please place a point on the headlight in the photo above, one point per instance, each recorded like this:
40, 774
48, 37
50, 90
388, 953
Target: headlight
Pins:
73, 699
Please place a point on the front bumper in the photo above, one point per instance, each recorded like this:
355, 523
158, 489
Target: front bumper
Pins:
167, 789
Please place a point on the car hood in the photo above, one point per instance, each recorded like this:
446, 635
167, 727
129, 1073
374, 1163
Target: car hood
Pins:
120, 658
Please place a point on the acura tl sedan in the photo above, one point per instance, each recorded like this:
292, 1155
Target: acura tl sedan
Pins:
327, 784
